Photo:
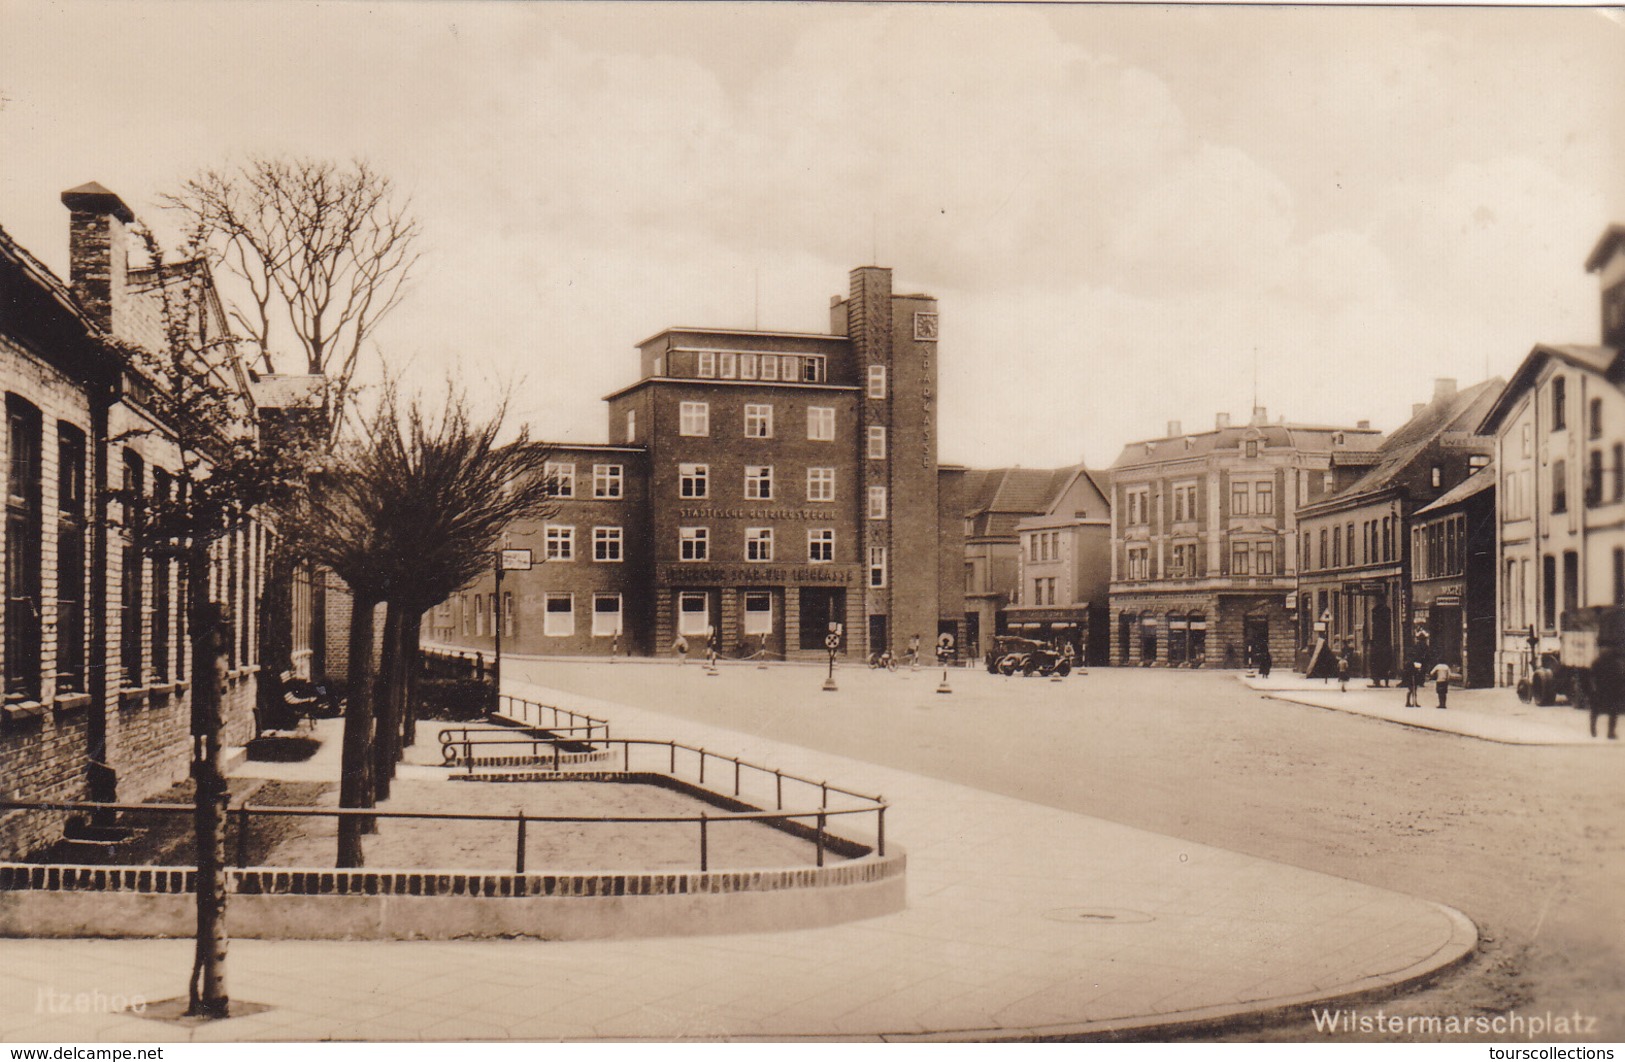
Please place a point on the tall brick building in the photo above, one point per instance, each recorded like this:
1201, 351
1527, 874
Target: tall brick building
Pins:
761, 485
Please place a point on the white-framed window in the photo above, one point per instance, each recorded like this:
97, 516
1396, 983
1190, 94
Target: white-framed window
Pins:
559, 615
1264, 558
707, 365
479, 615
821, 484
758, 612
1184, 502
694, 418
606, 481
1139, 562
821, 545
770, 367
560, 543
759, 482
561, 478
694, 543
877, 381
758, 421
1240, 559
821, 423
1138, 503
877, 566
631, 425
693, 480
606, 615
747, 366
727, 367
758, 543
877, 441
789, 368
1238, 499
606, 544
812, 368
877, 503
509, 626
1264, 499
693, 612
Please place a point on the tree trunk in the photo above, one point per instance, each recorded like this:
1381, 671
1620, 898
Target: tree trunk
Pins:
391, 695
414, 668
356, 784
207, 995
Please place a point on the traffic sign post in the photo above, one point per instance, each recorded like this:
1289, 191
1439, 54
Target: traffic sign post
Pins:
832, 642
508, 560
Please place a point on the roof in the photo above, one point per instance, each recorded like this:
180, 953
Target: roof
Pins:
1605, 247
1288, 436
41, 276
1477, 483
1603, 361
1023, 491
1460, 411
741, 332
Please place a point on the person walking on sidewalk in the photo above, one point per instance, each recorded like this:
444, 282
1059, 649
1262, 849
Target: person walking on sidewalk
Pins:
1441, 680
679, 645
1265, 662
1413, 679
1608, 688
1343, 673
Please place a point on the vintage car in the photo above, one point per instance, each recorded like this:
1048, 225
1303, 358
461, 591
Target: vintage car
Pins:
1012, 655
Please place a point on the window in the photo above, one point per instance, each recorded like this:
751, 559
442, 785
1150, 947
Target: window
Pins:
1264, 499
1560, 403
821, 545
163, 600
1548, 573
1239, 559
1477, 461
694, 543
130, 598
691, 480
877, 503
821, 484
877, 567
758, 613
1337, 548
877, 442
606, 615
877, 381
1325, 555
606, 544
1251, 448
561, 478
1571, 580
560, 543
606, 481
759, 482
758, 543
727, 366
1560, 486
1437, 477
1238, 499
1348, 541
821, 423
694, 418
509, 626
1138, 503
559, 619
479, 615
693, 612
1264, 558
24, 527
707, 367
1594, 421
631, 425
70, 559
1184, 502
789, 368
758, 421
812, 368
1139, 563
747, 366
1593, 493
770, 367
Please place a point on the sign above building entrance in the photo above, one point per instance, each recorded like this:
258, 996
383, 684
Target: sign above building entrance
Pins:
754, 575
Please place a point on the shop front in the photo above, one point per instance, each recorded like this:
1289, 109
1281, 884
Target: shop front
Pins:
772, 612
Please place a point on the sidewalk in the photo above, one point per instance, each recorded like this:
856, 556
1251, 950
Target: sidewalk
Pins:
1487, 714
1022, 921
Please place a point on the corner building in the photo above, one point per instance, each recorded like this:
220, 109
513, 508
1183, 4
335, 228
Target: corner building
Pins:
784, 481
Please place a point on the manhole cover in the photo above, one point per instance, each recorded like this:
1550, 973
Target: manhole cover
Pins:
1103, 916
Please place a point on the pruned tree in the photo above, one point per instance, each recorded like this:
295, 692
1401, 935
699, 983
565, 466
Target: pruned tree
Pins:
190, 388
322, 253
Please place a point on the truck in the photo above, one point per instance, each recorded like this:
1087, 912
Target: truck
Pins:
1582, 634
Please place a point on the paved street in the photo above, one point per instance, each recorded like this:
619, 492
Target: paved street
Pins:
1528, 841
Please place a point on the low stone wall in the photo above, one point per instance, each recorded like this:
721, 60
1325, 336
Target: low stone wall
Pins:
280, 904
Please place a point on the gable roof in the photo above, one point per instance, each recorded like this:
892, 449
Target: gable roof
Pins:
1602, 361
1458, 412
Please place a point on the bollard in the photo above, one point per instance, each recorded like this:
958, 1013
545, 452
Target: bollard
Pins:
943, 687
880, 827
821, 820
519, 854
705, 852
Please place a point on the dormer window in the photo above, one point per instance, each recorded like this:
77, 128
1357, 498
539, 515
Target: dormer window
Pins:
1250, 447
1338, 439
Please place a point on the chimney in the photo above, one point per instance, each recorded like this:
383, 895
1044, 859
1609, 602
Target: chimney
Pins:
1444, 387
1173, 429
1363, 425
1221, 421
1261, 416
98, 250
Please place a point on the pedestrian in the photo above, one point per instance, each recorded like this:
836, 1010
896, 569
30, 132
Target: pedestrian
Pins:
1608, 688
1343, 673
679, 645
711, 648
1413, 679
1441, 680
914, 651
1265, 662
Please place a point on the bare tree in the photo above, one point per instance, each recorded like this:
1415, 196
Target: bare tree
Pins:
191, 389
322, 251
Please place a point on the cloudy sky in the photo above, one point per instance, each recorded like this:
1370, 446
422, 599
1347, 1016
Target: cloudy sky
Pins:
1122, 210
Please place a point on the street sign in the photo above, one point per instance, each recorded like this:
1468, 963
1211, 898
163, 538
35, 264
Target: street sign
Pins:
516, 560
